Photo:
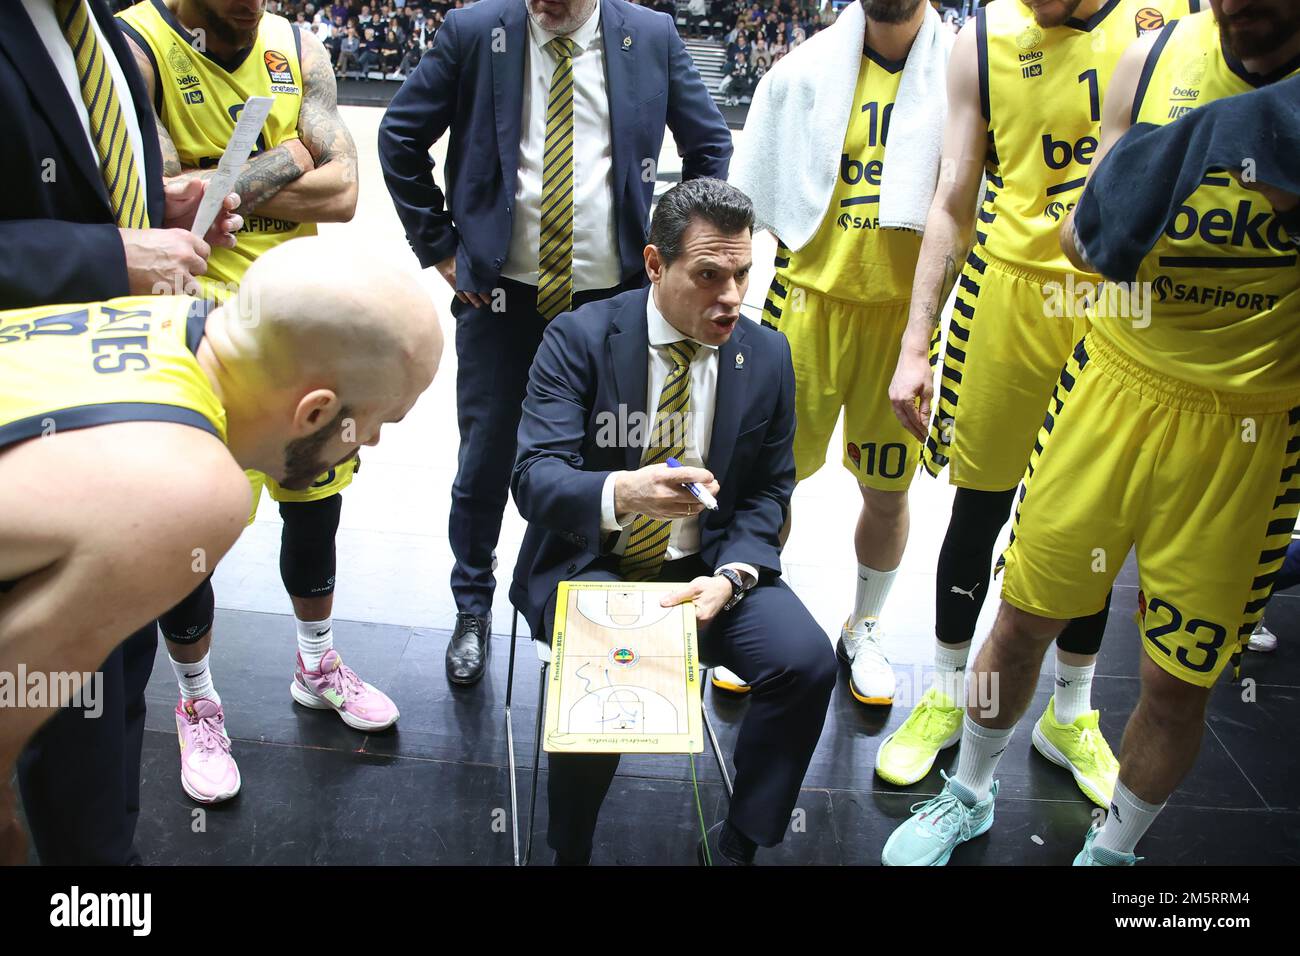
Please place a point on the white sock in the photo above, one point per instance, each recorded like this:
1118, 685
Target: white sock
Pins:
981, 747
1126, 822
315, 638
950, 671
1073, 693
195, 679
873, 588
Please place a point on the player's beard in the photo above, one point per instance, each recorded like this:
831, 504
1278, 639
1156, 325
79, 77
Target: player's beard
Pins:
1053, 14
890, 11
302, 457
224, 30
1267, 31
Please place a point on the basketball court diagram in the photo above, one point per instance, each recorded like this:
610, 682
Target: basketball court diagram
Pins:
624, 675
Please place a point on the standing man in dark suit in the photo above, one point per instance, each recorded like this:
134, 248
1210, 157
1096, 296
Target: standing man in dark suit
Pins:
557, 111
716, 392
84, 217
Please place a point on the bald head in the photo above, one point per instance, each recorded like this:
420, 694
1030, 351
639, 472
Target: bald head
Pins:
321, 338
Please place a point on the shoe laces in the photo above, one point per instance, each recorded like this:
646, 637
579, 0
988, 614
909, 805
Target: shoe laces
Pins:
868, 639
1094, 744
921, 722
345, 681
945, 812
469, 623
210, 734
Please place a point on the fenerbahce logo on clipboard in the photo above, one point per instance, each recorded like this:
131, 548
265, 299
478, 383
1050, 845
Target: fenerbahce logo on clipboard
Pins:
277, 68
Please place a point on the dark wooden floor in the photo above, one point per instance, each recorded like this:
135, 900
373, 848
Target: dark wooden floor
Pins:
435, 788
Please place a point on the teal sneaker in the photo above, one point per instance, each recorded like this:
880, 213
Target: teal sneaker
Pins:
938, 825
1100, 856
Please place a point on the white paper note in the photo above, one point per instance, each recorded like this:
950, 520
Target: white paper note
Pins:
242, 141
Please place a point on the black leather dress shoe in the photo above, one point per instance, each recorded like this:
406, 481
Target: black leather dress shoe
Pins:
714, 855
467, 654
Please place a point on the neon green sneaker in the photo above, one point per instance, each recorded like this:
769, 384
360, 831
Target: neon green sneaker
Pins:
1081, 749
907, 755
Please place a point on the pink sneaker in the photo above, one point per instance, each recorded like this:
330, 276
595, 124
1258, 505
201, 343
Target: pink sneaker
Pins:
208, 773
337, 687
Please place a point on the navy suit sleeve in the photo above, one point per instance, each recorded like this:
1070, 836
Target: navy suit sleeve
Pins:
420, 112
702, 137
49, 260
551, 488
754, 536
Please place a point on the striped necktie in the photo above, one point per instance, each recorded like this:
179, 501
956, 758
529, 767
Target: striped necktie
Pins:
555, 250
107, 123
647, 542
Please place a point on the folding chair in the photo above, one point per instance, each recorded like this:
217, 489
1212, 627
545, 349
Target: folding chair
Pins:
544, 659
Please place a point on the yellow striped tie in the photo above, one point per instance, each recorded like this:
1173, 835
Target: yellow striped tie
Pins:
555, 251
647, 542
107, 123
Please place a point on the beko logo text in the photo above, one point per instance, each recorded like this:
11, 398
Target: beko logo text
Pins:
75, 909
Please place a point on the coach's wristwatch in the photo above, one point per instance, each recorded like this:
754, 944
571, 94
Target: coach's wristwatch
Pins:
738, 587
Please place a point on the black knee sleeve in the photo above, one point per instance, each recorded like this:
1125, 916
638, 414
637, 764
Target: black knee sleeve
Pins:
1083, 635
190, 621
307, 561
966, 559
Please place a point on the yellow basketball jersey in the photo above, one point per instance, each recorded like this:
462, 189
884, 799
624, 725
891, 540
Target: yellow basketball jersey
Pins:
199, 99
1041, 91
1224, 287
850, 257
130, 359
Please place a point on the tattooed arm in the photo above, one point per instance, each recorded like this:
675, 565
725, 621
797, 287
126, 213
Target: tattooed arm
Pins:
262, 177
949, 228
328, 191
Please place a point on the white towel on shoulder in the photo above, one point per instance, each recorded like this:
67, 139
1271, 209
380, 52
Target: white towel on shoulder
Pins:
787, 161
916, 130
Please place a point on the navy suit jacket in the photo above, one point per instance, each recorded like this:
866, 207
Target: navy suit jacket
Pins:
591, 370
472, 82
59, 238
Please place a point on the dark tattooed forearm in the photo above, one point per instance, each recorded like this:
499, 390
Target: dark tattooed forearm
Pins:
265, 176
320, 127
171, 159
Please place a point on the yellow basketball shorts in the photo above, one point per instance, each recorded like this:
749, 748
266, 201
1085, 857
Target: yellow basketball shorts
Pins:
1003, 355
844, 355
1202, 484
330, 483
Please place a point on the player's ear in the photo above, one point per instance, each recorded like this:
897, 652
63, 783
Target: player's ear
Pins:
654, 262
315, 410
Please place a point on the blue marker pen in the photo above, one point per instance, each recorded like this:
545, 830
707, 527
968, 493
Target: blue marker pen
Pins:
706, 499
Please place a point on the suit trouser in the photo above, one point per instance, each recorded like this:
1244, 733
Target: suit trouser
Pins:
494, 351
80, 777
772, 640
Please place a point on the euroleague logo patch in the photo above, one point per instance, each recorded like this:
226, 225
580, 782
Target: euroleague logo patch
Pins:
277, 67
855, 455
1148, 19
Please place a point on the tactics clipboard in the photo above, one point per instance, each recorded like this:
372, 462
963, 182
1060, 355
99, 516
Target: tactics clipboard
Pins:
624, 675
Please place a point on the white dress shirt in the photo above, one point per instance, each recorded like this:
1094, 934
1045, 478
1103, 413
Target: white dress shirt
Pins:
684, 538
595, 240
41, 13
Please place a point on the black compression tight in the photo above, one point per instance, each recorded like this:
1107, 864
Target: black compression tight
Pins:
965, 570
